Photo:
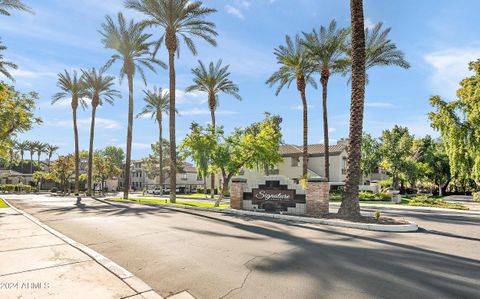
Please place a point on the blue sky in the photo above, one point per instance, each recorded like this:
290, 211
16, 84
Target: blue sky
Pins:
439, 38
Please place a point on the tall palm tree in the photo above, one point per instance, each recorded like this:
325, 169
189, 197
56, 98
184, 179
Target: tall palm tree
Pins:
50, 150
12, 153
176, 18
72, 86
327, 49
22, 147
4, 64
98, 88
350, 206
295, 66
213, 81
6, 5
32, 148
157, 102
132, 48
40, 148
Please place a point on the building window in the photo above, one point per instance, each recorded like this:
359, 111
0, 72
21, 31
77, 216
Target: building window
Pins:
184, 176
344, 165
295, 161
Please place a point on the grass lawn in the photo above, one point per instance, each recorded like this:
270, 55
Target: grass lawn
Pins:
419, 201
194, 196
3, 204
178, 203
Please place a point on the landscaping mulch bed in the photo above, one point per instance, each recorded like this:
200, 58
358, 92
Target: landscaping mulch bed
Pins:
368, 219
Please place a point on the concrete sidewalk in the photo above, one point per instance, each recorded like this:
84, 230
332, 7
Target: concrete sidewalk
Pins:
36, 262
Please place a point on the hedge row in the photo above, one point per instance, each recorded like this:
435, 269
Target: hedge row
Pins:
476, 196
15, 188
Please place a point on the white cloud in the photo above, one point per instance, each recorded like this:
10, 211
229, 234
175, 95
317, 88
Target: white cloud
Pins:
449, 67
369, 24
234, 11
300, 107
84, 123
378, 104
199, 111
243, 3
19, 73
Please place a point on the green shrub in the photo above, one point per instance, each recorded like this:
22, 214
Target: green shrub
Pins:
54, 190
476, 196
371, 196
426, 201
377, 215
385, 184
27, 188
9, 188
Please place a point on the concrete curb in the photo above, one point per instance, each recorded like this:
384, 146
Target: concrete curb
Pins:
410, 227
135, 283
413, 208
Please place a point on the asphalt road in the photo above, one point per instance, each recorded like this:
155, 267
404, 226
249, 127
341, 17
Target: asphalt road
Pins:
213, 255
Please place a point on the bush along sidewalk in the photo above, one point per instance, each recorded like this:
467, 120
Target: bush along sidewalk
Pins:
15, 188
425, 201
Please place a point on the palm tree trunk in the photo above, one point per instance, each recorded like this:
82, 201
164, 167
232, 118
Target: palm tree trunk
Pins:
301, 88
350, 206
212, 176
31, 161
160, 150
77, 151
126, 181
173, 144
90, 152
21, 163
324, 80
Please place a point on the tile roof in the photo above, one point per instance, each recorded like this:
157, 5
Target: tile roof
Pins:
313, 149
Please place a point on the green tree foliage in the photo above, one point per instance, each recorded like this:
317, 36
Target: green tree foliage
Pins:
7, 5
16, 115
4, 64
254, 147
396, 151
116, 154
432, 162
371, 155
458, 122
62, 170
152, 163
104, 169
295, 67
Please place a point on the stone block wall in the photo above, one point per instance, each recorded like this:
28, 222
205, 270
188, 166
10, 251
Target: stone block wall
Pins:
317, 197
237, 188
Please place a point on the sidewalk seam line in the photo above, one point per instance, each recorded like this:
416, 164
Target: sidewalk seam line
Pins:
49, 267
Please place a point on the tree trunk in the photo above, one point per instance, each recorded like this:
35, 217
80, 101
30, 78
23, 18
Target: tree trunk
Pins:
212, 113
350, 206
160, 150
128, 158
205, 186
222, 193
90, 151
324, 80
31, 162
301, 88
77, 150
173, 144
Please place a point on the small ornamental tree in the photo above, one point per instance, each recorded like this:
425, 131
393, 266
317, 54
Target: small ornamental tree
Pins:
254, 147
62, 170
371, 155
458, 122
104, 169
16, 115
396, 149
